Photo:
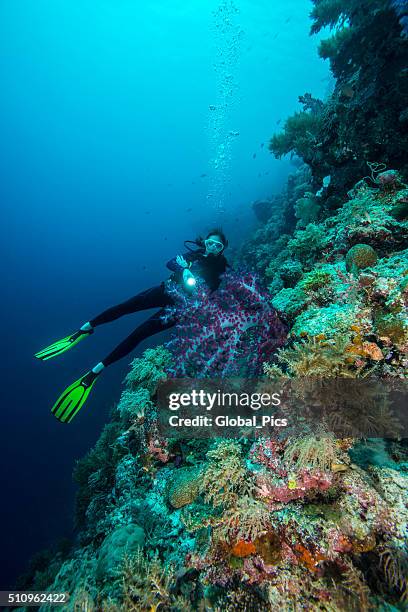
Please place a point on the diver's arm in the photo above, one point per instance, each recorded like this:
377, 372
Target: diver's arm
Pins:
176, 267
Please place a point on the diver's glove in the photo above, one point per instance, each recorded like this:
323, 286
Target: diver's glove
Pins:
181, 261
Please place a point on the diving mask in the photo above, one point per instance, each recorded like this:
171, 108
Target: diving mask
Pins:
213, 246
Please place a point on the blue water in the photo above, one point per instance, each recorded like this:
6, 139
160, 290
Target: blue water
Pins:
104, 118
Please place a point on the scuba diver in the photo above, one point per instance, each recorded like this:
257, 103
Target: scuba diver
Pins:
207, 261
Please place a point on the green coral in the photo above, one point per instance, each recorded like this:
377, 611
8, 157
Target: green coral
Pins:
290, 272
248, 520
330, 320
133, 404
394, 564
330, 48
125, 540
392, 280
307, 244
299, 135
306, 209
290, 302
148, 370
360, 256
95, 473
327, 13
313, 451
316, 279
367, 219
225, 479
148, 584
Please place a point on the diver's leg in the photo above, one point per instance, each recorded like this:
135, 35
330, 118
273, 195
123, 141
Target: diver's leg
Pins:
151, 326
73, 398
155, 297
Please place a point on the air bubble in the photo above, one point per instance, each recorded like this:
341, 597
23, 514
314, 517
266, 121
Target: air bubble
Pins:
227, 37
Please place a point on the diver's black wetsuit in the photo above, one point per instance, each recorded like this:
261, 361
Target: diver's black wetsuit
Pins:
208, 268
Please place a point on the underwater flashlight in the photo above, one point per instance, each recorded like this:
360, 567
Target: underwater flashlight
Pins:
191, 281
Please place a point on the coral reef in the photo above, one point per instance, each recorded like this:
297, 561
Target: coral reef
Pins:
226, 524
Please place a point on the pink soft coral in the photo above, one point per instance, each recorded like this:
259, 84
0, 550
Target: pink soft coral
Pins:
306, 482
231, 331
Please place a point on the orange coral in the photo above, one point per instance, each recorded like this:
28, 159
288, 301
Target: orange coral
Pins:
308, 559
345, 443
365, 349
243, 549
372, 350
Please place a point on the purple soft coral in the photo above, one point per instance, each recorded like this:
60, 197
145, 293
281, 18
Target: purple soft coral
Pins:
226, 333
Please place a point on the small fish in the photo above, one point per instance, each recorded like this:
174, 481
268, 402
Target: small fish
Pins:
189, 209
276, 36
259, 174
262, 145
147, 212
144, 267
193, 182
339, 467
288, 19
292, 484
278, 121
203, 175
254, 155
